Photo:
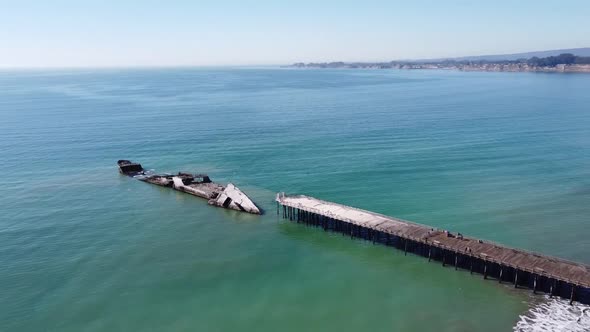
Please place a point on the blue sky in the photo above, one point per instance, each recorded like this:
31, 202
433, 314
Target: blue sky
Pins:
61, 33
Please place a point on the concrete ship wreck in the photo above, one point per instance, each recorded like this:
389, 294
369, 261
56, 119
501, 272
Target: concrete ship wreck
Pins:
229, 197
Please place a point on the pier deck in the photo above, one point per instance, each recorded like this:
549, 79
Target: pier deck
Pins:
540, 272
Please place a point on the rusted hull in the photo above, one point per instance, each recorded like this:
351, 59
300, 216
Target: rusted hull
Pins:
228, 197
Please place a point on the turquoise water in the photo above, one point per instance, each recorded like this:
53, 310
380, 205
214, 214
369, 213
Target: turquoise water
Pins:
502, 156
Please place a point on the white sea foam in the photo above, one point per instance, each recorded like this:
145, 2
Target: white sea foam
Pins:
555, 315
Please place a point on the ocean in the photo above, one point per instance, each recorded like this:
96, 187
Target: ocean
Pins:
500, 156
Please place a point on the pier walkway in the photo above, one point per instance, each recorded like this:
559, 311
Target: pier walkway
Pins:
538, 272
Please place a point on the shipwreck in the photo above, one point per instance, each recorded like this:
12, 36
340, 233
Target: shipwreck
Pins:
229, 197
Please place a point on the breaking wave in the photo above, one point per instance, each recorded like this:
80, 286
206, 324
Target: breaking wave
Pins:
555, 315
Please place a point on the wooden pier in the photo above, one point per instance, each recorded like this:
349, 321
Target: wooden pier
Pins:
541, 273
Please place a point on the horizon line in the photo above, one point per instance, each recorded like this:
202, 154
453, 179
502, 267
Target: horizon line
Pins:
180, 66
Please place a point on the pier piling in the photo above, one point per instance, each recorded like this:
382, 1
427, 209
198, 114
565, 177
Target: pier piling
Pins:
538, 272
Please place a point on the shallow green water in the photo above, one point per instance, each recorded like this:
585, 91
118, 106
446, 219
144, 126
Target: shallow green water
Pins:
501, 156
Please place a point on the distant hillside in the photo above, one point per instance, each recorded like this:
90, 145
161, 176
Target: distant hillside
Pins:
511, 57
562, 61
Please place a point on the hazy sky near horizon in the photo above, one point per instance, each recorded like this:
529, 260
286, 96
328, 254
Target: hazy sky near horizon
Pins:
69, 33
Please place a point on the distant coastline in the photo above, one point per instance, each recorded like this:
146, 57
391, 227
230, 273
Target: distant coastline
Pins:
563, 63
